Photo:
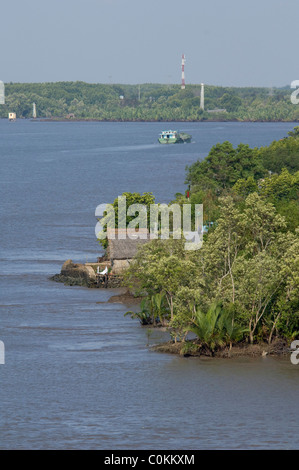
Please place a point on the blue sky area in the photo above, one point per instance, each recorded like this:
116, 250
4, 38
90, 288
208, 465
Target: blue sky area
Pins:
227, 43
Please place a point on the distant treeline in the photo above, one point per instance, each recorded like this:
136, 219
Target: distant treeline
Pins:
147, 102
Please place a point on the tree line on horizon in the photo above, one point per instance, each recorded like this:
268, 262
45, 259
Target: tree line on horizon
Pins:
147, 102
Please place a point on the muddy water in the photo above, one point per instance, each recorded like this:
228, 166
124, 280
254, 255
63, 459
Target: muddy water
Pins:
77, 373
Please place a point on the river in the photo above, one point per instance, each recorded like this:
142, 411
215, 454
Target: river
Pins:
78, 374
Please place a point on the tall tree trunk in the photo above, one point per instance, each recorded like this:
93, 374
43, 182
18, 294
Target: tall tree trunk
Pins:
251, 331
171, 308
273, 327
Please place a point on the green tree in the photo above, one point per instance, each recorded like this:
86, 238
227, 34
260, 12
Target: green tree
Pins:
223, 167
160, 266
281, 154
284, 185
216, 328
112, 214
244, 187
295, 132
230, 102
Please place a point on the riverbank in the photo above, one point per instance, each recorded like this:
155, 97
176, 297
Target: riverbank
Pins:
161, 121
85, 275
278, 347
127, 297
74, 274
81, 281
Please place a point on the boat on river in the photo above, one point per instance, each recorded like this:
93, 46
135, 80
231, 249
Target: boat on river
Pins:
174, 137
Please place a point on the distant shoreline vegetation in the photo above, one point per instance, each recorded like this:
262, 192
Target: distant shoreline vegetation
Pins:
80, 101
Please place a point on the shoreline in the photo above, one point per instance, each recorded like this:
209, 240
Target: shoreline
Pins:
157, 121
188, 348
278, 348
145, 121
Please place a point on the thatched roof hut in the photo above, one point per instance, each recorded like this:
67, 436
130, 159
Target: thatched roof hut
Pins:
125, 249
121, 251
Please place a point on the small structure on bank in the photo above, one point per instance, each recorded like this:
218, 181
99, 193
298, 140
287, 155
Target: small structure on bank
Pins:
122, 249
12, 116
108, 270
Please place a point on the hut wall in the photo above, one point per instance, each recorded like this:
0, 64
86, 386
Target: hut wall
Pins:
119, 265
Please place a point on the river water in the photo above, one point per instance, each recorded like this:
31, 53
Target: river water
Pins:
77, 373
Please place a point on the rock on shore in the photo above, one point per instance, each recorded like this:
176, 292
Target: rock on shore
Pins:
76, 274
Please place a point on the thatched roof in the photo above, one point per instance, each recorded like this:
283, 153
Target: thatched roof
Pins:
125, 249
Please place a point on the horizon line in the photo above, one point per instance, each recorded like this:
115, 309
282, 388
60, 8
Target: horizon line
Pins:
145, 83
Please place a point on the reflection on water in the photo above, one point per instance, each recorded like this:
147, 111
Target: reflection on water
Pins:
79, 374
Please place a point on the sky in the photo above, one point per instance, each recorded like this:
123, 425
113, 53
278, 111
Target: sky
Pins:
226, 42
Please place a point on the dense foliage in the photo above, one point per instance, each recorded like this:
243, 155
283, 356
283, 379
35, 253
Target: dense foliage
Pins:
111, 215
224, 166
243, 284
147, 102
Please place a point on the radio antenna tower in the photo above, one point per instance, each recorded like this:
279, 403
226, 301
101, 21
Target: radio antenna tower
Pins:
183, 72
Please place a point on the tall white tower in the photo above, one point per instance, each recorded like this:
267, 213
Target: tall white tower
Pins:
2, 92
34, 111
183, 72
202, 96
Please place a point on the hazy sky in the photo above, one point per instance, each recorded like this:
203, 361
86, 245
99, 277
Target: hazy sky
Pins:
229, 43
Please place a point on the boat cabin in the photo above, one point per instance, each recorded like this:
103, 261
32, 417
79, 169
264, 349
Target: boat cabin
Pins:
168, 135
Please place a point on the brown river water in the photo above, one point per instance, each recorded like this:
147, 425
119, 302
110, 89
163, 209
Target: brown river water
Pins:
77, 373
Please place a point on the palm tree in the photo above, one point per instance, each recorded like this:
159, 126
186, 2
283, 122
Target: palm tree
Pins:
206, 326
145, 314
216, 328
152, 309
160, 311
234, 332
